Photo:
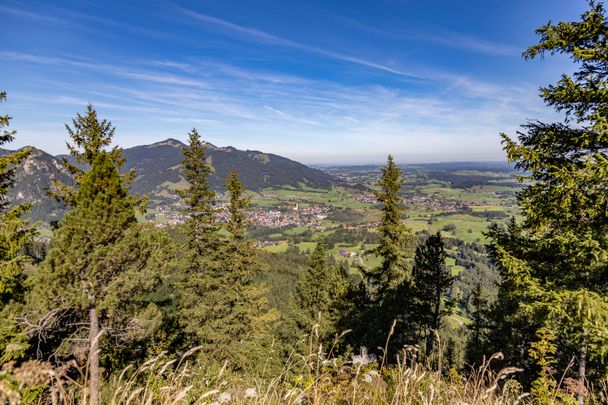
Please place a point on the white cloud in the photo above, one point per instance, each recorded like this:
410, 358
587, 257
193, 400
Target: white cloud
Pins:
263, 37
456, 118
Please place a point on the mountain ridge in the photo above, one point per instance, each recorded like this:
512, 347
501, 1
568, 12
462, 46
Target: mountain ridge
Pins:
159, 173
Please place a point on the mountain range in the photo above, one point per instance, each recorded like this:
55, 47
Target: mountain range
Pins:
159, 173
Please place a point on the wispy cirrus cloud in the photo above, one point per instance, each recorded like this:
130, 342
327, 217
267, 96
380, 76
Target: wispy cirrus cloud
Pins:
255, 84
41, 18
465, 41
242, 107
264, 37
434, 35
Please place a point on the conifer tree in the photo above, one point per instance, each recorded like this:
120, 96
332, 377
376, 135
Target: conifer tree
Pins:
394, 248
202, 229
238, 204
225, 307
201, 226
15, 233
384, 295
88, 276
431, 282
477, 309
242, 326
554, 264
320, 294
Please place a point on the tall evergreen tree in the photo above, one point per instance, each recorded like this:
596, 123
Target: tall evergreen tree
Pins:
554, 265
241, 329
384, 295
477, 308
87, 269
320, 294
431, 281
225, 306
202, 229
15, 233
394, 248
238, 204
201, 225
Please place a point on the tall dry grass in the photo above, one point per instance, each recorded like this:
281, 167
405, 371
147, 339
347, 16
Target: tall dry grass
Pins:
310, 379
313, 378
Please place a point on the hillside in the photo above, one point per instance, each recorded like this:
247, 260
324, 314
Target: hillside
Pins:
33, 179
158, 168
159, 173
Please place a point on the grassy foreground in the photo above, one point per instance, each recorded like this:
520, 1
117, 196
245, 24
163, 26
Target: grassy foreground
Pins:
305, 379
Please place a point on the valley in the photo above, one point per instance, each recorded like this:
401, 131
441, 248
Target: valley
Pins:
458, 202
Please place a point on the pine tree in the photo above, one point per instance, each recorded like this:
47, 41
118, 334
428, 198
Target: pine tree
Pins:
477, 309
224, 306
15, 234
244, 320
320, 294
393, 250
431, 282
384, 296
553, 264
97, 255
202, 229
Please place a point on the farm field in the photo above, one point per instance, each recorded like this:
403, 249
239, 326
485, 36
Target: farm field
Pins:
460, 204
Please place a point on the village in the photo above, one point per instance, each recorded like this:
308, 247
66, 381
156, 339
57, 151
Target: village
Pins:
310, 216
302, 213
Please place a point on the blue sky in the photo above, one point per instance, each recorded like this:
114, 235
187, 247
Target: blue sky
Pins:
316, 81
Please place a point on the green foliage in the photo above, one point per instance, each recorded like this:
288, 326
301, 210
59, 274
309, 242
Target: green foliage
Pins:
241, 328
552, 303
238, 203
320, 296
431, 281
99, 257
554, 264
477, 309
78, 263
383, 297
201, 225
284, 270
15, 234
202, 230
224, 306
394, 246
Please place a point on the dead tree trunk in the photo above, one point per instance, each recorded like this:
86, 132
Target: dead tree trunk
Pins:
582, 371
94, 383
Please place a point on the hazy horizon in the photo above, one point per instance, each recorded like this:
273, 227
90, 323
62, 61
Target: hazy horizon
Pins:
337, 163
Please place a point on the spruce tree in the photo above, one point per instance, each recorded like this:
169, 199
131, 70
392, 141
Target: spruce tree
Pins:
244, 320
320, 294
97, 265
384, 295
477, 308
395, 237
15, 234
201, 226
238, 204
224, 305
431, 282
202, 230
554, 263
